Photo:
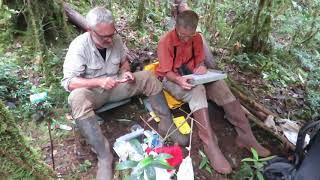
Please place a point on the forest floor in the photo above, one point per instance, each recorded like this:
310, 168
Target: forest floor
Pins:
74, 159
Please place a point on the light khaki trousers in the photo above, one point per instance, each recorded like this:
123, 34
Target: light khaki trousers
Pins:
84, 101
217, 92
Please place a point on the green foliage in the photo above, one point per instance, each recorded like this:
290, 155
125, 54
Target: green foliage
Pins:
12, 86
5, 26
17, 86
85, 166
204, 164
17, 159
251, 168
313, 90
146, 165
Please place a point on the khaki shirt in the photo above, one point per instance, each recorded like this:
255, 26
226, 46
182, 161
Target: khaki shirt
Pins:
84, 60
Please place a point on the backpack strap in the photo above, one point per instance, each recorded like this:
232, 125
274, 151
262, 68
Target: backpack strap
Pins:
299, 151
175, 53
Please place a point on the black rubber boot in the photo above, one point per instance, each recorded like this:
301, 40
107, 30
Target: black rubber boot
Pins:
160, 107
90, 130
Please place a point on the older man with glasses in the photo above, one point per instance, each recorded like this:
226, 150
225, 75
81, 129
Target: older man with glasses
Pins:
96, 71
180, 52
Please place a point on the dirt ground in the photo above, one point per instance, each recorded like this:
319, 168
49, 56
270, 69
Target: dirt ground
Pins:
71, 153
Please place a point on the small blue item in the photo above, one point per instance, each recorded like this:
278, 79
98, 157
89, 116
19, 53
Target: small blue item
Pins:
155, 141
37, 98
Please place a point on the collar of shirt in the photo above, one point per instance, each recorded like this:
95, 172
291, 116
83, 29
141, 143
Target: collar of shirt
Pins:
95, 49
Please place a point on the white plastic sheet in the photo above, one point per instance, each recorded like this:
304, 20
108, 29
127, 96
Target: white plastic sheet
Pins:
185, 171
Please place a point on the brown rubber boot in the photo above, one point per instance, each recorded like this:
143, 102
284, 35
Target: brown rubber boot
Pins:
90, 130
160, 107
210, 142
237, 117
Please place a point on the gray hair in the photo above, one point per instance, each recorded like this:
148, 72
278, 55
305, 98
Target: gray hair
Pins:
187, 19
99, 15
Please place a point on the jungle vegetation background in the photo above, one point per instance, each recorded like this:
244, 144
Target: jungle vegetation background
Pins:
269, 47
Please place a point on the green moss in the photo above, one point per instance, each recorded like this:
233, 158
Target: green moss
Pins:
17, 159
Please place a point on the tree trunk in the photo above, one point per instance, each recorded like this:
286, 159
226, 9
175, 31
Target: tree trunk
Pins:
261, 26
45, 21
140, 14
35, 23
17, 159
75, 17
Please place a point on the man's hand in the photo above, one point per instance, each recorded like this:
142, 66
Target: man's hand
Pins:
128, 77
200, 70
107, 83
183, 82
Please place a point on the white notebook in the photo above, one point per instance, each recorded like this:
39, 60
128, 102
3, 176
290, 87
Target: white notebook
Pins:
210, 76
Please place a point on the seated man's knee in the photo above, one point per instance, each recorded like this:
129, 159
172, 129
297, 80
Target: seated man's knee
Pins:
198, 99
79, 96
149, 75
199, 91
152, 82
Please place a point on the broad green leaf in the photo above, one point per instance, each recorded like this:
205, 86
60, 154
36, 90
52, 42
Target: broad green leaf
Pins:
145, 162
260, 176
126, 165
203, 162
150, 173
209, 169
267, 158
138, 170
161, 164
136, 145
255, 154
163, 156
258, 165
248, 160
136, 173
201, 153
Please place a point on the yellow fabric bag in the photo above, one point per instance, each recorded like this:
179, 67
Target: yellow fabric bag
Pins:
183, 125
173, 103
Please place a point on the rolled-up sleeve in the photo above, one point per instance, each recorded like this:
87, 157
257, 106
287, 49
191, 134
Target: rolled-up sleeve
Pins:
74, 66
165, 57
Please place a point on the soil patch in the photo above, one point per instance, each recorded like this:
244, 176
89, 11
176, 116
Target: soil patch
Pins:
73, 154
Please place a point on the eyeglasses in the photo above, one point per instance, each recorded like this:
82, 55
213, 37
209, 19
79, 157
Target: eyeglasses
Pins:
102, 37
186, 36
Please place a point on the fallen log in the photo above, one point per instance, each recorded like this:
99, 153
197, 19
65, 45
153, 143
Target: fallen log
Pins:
74, 17
260, 115
257, 113
281, 137
249, 101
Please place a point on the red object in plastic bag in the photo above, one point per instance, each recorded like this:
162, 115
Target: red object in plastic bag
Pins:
174, 151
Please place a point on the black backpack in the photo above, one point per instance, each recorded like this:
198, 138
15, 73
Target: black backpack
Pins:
306, 163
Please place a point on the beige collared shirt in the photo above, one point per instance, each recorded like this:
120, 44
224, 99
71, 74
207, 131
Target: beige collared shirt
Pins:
84, 60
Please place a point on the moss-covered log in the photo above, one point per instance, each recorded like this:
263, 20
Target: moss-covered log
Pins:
45, 21
17, 159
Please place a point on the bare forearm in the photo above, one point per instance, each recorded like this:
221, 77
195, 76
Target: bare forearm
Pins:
79, 82
180, 80
171, 76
